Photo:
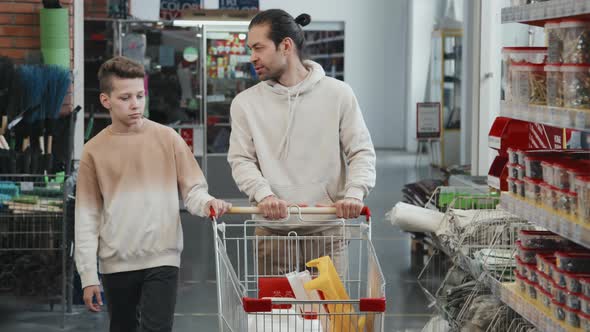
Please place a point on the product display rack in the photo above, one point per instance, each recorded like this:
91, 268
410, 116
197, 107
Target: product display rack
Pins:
566, 226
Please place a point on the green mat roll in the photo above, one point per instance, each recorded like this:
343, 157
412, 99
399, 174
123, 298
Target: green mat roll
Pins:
55, 36
59, 57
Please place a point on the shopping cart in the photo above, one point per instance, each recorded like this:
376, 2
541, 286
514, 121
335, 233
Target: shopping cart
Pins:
254, 293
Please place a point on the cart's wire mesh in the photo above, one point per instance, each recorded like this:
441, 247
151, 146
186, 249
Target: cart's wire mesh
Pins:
32, 235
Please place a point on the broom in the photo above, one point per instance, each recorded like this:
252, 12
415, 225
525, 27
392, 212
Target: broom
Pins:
33, 86
58, 82
7, 74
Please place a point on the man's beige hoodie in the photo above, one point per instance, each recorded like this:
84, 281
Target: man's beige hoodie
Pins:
305, 144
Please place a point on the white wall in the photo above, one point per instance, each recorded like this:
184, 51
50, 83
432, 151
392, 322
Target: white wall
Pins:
375, 40
496, 36
423, 16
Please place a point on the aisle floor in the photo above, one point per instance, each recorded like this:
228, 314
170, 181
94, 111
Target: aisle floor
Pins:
407, 307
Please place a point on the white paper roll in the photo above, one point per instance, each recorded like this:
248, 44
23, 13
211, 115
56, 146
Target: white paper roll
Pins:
411, 218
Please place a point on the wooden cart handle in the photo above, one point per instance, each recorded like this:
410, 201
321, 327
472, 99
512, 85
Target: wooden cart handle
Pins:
293, 210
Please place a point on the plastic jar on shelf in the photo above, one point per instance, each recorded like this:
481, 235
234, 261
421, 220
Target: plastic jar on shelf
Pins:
548, 195
576, 86
572, 198
554, 34
558, 310
584, 321
520, 172
512, 172
559, 278
532, 188
532, 273
575, 262
518, 55
547, 167
558, 293
534, 239
585, 304
544, 281
574, 171
585, 283
554, 85
529, 255
512, 156
544, 296
520, 190
560, 176
573, 300
582, 187
573, 281
576, 41
544, 262
520, 281
512, 186
528, 83
533, 168
521, 267
562, 202
572, 316
521, 154
531, 290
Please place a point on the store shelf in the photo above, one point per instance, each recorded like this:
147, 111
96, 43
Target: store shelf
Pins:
532, 310
324, 40
541, 216
552, 116
326, 56
538, 13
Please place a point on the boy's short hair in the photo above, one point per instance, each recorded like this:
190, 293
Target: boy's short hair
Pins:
121, 67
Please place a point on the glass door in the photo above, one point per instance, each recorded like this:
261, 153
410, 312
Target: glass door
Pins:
228, 72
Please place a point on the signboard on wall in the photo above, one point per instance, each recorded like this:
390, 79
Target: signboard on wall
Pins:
172, 9
239, 4
428, 121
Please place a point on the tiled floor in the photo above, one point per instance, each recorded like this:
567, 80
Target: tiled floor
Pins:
407, 308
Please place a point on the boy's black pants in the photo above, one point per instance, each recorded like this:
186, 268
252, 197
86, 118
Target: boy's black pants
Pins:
142, 300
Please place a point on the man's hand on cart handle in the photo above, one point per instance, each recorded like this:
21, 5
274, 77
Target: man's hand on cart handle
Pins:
348, 208
273, 208
217, 208
90, 292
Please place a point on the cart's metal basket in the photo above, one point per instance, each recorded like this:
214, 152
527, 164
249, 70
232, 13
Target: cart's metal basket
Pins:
255, 295
33, 237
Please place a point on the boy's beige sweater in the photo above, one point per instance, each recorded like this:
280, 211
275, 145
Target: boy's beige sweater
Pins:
127, 207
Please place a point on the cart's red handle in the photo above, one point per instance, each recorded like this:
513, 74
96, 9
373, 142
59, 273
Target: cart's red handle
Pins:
293, 210
212, 213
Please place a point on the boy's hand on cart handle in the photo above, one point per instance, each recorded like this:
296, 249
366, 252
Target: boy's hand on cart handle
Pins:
89, 293
349, 208
273, 208
220, 207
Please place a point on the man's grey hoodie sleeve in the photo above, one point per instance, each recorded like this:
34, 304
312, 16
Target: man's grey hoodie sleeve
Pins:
242, 157
358, 149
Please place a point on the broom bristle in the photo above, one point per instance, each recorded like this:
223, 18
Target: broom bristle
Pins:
58, 82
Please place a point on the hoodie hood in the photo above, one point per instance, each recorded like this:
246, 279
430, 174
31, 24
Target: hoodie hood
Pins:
316, 73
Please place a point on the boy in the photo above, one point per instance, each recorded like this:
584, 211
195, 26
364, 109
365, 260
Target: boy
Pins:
127, 208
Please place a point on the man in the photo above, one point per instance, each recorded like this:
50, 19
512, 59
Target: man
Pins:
127, 208
298, 137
